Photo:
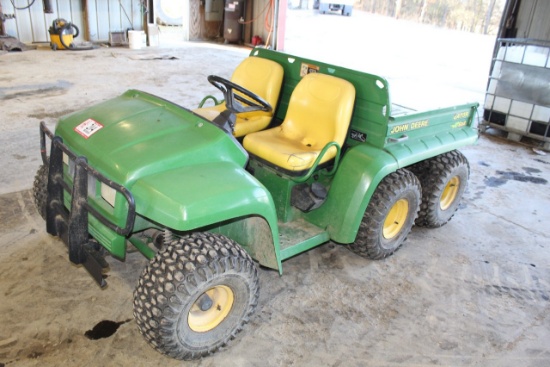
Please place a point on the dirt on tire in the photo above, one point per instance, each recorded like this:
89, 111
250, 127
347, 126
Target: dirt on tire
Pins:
40, 190
434, 175
370, 241
174, 281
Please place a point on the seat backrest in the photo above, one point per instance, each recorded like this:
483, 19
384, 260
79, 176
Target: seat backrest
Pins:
262, 77
319, 111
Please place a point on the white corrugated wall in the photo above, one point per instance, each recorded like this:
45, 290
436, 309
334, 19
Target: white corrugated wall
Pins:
104, 16
113, 16
31, 24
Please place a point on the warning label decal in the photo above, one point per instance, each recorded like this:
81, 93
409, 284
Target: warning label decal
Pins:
88, 128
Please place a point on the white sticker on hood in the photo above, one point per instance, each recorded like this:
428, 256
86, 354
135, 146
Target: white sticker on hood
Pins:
88, 128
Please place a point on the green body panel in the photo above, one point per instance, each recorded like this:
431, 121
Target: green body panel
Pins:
256, 236
116, 244
360, 172
142, 247
113, 242
427, 134
143, 135
298, 236
279, 186
195, 196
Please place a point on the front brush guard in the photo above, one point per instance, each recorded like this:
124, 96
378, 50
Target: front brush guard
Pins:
72, 225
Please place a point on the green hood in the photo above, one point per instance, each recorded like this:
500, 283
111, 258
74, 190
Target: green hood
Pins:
137, 135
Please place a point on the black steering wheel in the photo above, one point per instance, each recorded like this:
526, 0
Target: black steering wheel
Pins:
244, 101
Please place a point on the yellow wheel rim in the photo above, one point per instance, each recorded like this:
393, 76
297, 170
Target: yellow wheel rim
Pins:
449, 194
207, 315
395, 220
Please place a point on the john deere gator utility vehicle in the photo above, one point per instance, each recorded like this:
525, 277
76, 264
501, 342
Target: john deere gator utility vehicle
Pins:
297, 154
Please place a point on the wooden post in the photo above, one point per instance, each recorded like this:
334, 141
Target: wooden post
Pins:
2, 29
85, 18
248, 14
145, 20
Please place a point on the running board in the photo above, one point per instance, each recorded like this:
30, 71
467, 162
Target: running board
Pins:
299, 236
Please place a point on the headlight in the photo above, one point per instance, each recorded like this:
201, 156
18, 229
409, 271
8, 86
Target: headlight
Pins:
108, 194
69, 163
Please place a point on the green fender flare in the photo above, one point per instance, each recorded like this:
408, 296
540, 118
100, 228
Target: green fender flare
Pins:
360, 172
198, 196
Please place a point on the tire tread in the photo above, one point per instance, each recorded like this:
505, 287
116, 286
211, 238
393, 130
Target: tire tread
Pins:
367, 243
432, 174
189, 261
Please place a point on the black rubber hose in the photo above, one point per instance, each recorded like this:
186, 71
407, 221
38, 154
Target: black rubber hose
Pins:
61, 38
24, 7
68, 27
77, 31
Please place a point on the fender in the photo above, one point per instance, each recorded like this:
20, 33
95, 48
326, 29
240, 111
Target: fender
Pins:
204, 195
360, 172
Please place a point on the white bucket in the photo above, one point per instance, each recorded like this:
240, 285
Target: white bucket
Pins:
135, 39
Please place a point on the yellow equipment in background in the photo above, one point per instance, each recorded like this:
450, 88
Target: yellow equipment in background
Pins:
62, 34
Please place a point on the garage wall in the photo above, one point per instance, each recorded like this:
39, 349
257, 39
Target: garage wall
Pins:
106, 16
259, 26
532, 20
31, 25
97, 18
103, 16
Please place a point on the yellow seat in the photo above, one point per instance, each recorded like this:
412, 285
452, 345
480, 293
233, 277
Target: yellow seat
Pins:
260, 76
319, 113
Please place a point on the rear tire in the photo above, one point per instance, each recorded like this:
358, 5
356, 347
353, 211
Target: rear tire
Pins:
195, 295
389, 216
40, 190
444, 179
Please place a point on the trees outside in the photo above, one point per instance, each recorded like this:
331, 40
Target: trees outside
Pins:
480, 16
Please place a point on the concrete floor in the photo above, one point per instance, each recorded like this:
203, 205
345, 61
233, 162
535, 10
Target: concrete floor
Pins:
475, 292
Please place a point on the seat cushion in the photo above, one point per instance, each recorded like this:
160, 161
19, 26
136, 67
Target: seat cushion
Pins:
272, 146
245, 123
319, 113
260, 76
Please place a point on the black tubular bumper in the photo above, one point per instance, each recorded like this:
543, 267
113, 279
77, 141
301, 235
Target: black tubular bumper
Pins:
71, 225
